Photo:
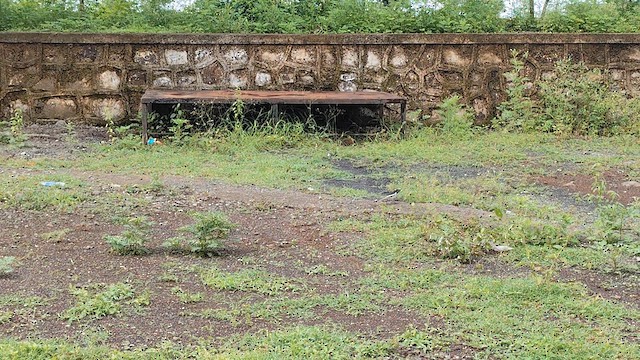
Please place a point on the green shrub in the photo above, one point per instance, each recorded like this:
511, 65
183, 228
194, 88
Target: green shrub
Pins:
204, 237
456, 121
133, 238
573, 100
518, 111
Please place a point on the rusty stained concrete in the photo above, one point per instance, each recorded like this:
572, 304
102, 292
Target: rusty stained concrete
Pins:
94, 77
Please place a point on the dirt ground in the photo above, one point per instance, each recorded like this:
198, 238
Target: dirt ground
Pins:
284, 230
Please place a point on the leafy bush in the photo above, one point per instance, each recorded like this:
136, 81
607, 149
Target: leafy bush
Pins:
205, 236
133, 238
455, 120
571, 100
6, 265
518, 110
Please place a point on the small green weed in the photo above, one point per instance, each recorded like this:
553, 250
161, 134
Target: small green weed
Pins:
95, 305
205, 237
6, 265
133, 238
453, 239
15, 135
187, 297
249, 280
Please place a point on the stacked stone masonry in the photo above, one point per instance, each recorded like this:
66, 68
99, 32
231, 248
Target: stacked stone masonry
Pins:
94, 77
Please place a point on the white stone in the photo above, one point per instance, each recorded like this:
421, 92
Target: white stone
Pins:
373, 61
350, 58
453, 58
237, 82
347, 86
107, 109
175, 57
236, 56
162, 81
399, 61
307, 80
301, 56
109, 80
348, 77
272, 57
263, 79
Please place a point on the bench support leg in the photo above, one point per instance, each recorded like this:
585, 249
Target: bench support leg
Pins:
146, 109
275, 112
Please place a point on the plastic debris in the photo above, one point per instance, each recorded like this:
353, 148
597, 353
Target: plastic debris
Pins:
153, 141
500, 248
53, 183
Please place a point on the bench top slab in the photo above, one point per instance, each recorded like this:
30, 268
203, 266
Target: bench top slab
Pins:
270, 97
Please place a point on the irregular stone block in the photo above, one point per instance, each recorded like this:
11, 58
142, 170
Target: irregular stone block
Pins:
108, 80
46, 85
455, 57
213, 74
398, 59
238, 80
263, 79
59, 108
176, 57
162, 82
105, 108
236, 56
303, 55
87, 53
186, 79
137, 78
145, 57
204, 57
273, 57
350, 57
373, 61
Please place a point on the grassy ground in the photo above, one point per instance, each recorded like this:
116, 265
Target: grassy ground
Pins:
324, 261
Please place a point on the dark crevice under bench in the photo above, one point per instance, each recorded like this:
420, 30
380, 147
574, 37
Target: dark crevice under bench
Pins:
273, 98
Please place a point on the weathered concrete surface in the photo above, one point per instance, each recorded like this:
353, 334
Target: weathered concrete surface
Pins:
95, 77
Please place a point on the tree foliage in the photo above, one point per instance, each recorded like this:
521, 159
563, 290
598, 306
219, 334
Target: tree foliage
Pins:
318, 16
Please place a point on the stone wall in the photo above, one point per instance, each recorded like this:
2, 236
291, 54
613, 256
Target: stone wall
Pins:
91, 77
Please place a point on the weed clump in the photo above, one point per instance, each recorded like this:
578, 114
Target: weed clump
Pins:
6, 265
571, 100
133, 238
204, 237
95, 304
15, 135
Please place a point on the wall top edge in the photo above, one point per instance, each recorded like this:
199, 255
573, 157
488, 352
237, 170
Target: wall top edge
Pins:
323, 39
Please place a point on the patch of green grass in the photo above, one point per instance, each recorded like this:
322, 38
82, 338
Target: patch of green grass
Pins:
95, 304
27, 192
249, 280
187, 297
530, 317
322, 269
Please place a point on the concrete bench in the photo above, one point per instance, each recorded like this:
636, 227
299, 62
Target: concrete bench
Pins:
273, 98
